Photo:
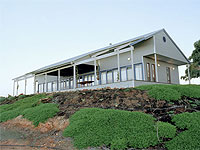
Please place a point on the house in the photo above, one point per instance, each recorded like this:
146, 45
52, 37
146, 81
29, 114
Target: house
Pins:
148, 59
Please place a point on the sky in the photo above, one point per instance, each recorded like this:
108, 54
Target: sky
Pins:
36, 33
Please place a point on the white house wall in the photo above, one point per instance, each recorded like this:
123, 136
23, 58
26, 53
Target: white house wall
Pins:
167, 48
162, 75
140, 50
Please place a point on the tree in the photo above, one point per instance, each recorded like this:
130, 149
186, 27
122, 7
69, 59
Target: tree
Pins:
195, 63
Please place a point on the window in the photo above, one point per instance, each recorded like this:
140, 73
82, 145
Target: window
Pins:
71, 83
103, 77
109, 77
138, 72
85, 79
148, 72
164, 39
54, 86
168, 75
89, 79
40, 88
115, 75
67, 84
153, 72
123, 74
92, 79
129, 73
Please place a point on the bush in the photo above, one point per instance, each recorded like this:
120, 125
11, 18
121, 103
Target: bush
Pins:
11, 98
118, 144
189, 139
96, 127
2, 99
165, 130
171, 92
188, 90
10, 111
40, 113
164, 93
8, 115
21, 96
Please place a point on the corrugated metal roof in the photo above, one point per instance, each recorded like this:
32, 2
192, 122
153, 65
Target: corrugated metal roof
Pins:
68, 61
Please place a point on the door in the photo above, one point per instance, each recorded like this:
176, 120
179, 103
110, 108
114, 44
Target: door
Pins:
148, 72
153, 72
168, 75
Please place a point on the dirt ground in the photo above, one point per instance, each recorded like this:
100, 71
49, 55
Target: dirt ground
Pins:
26, 137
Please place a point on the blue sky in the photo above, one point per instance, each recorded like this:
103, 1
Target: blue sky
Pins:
35, 33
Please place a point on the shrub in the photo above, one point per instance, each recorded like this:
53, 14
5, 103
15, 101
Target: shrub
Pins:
10, 111
11, 98
188, 90
95, 127
118, 144
165, 130
40, 113
21, 96
164, 93
171, 92
8, 115
189, 139
2, 99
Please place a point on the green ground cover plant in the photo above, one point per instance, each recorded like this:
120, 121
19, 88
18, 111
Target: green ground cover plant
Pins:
2, 99
10, 111
40, 113
166, 130
190, 138
171, 92
115, 128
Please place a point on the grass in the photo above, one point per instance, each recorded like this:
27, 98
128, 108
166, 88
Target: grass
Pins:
171, 92
30, 108
190, 138
93, 127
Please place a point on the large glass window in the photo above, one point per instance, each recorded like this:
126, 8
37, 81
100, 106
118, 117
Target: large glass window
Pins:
89, 79
71, 83
130, 73
92, 79
103, 77
40, 88
67, 84
115, 75
138, 72
62, 85
123, 74
85, 79
49, 85
109, 77
54, 86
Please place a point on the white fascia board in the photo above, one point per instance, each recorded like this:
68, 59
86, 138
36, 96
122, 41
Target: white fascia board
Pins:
23, 77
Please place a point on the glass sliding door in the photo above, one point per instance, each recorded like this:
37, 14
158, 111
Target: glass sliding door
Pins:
123, 74
109, 77
115, 75
103, 77
130, 73
138, 72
